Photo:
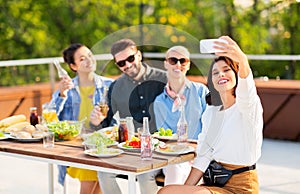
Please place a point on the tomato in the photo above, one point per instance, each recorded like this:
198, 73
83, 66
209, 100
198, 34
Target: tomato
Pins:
135, 144
139, 144
60, 136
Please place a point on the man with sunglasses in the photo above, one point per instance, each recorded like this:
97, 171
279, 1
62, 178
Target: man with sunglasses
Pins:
132, 94
179, 92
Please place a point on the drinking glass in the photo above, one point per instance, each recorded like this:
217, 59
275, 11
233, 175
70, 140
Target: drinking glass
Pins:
48, 139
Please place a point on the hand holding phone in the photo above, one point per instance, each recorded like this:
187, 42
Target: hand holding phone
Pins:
207, 45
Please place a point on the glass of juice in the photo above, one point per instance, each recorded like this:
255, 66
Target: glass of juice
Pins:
49, 113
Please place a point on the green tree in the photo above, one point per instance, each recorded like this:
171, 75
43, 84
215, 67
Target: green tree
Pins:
34, 29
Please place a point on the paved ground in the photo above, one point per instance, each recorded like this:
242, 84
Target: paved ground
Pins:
278, 169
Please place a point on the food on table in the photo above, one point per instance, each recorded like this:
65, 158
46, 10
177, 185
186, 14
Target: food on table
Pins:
12, 120
65, 130
26, 132
134, 142
29, 128
172, 148
2, 134
22, 135
16, 127
9, 121
164, 132
96, 139
162, 145
41, 128
111, 133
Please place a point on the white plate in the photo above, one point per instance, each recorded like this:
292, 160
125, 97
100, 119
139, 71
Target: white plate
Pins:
26, 140
121, 145
106, 129
6, 136
110, 152
171, 150
173, 137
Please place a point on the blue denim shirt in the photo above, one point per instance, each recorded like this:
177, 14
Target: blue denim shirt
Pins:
67, 108
194, 108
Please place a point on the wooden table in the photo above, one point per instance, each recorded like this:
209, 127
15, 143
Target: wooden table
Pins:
70, 153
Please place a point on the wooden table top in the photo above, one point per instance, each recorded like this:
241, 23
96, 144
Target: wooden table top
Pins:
73, 151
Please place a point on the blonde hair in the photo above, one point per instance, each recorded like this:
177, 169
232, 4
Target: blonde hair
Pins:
179, 49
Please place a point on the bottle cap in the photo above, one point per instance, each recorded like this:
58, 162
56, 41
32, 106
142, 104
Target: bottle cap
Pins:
32, 108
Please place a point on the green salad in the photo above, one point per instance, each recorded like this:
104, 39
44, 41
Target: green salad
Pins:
1, 134
164, 132
65, 130
98, 139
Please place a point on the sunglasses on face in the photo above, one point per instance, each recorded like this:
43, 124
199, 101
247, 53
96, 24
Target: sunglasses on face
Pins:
174, 61
130, 59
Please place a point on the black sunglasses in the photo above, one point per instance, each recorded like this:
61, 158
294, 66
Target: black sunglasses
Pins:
130, 59
174, 61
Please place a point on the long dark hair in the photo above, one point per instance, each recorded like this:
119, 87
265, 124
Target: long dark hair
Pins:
213, 97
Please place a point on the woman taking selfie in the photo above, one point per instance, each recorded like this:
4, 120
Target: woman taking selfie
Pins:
231, 136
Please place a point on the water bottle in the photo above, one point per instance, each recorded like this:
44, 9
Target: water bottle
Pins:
182, 127
130, 126
146, 148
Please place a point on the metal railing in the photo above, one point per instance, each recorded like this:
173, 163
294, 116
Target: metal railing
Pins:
149, 55
40, 61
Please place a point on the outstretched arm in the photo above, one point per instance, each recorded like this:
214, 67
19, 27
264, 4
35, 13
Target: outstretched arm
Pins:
233, 51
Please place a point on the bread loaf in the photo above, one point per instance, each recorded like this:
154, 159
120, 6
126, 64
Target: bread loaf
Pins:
12, 120
23, 135
29, 128
40, 127
16, 127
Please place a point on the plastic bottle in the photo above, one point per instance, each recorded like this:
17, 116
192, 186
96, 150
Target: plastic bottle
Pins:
182, 127
34, 118
146, 147
130, 126
122, 131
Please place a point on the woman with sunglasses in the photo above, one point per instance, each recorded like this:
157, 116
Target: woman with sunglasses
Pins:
75, 100
232, 127
167, 105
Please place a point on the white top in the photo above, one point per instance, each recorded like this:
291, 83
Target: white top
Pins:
232, 136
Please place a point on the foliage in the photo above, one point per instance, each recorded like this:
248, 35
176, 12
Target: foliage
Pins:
37, 29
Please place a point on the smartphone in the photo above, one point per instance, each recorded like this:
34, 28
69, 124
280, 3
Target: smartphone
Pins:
206, 45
